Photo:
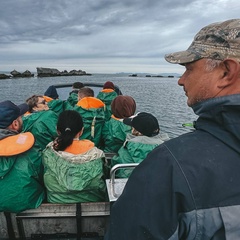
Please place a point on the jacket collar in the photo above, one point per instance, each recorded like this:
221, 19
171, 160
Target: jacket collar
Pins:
7, 132
221, 118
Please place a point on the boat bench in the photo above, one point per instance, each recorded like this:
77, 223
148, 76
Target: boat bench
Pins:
88, 220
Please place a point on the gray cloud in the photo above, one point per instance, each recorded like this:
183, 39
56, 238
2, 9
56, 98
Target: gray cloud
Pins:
73, 32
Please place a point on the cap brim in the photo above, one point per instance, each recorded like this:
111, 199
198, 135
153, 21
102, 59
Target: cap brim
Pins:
23, 108
182, 57
128, 121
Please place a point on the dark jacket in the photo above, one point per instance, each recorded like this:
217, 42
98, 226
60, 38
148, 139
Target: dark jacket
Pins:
188, 187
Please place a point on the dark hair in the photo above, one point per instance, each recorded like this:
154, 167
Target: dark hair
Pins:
77, 85
69, 124
32, 102
85, 92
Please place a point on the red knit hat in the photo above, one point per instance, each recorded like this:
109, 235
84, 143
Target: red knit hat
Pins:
108, 84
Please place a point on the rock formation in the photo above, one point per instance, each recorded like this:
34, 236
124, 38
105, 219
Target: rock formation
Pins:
53, 72
4, 76
25, 74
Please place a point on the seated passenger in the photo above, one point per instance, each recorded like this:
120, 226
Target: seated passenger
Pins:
73, 95
107, 94
53, 102
40, 121
74, 169
114, 130
21, 171
92, 111
143, 139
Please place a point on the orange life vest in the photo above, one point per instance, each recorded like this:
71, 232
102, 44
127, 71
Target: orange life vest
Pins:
90, 102
47, 99
107, 90
16, 144
79, 146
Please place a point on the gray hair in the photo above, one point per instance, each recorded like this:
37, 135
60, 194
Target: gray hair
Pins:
211, 64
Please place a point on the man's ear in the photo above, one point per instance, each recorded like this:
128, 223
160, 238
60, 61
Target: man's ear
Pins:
230, 72
14, 125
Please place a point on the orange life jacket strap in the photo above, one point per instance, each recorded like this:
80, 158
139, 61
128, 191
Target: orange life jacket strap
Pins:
16, 144
90, 102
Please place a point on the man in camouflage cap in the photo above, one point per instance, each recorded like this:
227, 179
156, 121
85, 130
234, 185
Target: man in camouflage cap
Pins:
188, 187
216, 41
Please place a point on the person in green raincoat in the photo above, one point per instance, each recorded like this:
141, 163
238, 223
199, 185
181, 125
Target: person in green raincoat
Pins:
21, 169
92, 111
40, 121
143, 139
114, 130
74, 169
107, 94
72, 100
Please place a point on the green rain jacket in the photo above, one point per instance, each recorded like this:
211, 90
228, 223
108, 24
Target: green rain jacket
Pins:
114, 134
107, 98
43, 125
56, 105
93, 119
73, 178
21, 183
134, 150
71, 101
73, 98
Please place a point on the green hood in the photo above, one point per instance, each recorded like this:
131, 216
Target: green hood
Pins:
73, 178
42, 125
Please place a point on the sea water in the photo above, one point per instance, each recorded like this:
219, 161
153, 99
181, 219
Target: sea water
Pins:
162, 97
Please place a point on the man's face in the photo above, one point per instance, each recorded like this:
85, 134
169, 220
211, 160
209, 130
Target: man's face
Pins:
199, 83
41, 105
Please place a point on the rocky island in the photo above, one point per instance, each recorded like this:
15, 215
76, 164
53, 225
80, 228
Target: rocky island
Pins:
53, 72
16, 74
43, 72
25, 74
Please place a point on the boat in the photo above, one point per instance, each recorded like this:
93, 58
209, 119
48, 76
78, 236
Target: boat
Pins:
87, 220
65, 221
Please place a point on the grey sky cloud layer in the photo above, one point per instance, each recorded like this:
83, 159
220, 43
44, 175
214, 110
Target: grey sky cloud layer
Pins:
103, 36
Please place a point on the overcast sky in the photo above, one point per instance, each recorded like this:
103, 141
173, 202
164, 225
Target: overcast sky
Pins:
103, 36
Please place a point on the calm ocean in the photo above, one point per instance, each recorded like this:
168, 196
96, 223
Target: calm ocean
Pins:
160, 96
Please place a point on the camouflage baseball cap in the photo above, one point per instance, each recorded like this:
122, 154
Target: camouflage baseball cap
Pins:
216, 41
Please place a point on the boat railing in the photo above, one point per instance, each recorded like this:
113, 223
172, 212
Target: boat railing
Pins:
115, 185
